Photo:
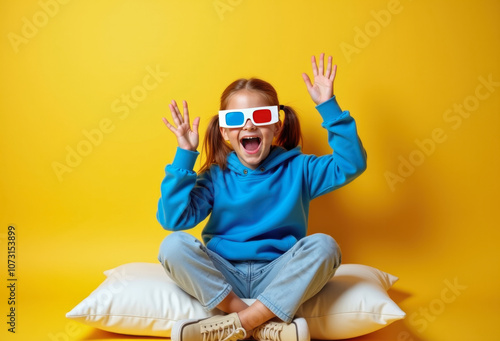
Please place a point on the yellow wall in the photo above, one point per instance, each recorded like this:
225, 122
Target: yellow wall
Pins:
84, 85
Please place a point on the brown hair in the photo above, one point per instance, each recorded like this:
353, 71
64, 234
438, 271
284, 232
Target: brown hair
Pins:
215, 147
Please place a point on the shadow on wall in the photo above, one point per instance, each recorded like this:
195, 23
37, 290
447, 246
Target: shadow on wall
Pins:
400, 216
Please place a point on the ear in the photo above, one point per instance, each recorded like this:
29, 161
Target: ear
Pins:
223, 132
278, 126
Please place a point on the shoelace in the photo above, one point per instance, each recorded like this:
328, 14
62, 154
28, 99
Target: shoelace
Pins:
268, 332
230, 333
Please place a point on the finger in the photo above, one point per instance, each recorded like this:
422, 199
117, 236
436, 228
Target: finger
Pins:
176, 116
176, 109
173, 112
186, 111
169, 126
307, 80
321, 63
333, 74
329, 67
196, 123
314, 66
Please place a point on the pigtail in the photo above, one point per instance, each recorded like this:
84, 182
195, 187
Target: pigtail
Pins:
214, 146
290, 135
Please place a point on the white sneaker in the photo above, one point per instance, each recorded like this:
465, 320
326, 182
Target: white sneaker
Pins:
273, 330
216, 328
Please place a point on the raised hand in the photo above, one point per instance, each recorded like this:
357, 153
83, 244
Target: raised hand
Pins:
187, 138
322, 89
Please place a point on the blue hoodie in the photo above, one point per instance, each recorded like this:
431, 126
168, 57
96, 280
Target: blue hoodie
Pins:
260, 214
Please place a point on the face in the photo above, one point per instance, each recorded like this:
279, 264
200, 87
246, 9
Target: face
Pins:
251, 143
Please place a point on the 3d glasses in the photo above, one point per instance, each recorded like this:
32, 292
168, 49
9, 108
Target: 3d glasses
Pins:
236, 118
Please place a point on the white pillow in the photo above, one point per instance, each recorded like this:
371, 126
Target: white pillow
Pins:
140, 299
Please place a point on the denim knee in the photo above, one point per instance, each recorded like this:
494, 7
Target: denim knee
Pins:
326, 249
173, 248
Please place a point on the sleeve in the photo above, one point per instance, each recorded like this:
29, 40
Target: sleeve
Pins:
186, 198
348, 160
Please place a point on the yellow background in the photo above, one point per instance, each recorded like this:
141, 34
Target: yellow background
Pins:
404, 69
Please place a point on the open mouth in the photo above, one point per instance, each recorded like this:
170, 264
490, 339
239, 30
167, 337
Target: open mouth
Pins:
251, 144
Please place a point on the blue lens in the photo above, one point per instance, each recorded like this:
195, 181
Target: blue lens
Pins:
234, 118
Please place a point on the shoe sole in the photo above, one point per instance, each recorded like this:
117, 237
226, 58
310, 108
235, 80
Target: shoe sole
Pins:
302, 329
176, 333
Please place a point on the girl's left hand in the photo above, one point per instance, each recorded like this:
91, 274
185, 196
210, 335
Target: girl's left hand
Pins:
322, 90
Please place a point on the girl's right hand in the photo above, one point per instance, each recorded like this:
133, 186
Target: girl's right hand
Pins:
187, 138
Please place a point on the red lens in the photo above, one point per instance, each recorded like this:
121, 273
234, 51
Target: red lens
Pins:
262, 116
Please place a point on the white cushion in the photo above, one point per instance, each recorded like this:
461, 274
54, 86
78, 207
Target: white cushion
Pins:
140, 299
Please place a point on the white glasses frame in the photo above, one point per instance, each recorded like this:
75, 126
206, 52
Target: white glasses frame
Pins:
248, 115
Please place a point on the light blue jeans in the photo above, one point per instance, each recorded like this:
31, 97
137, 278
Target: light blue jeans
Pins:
282, 285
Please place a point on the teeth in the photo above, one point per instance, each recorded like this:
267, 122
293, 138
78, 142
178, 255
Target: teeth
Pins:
245, 141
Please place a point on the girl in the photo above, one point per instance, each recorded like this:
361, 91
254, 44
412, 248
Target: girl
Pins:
256, 185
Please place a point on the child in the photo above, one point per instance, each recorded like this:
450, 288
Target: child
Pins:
256, 185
